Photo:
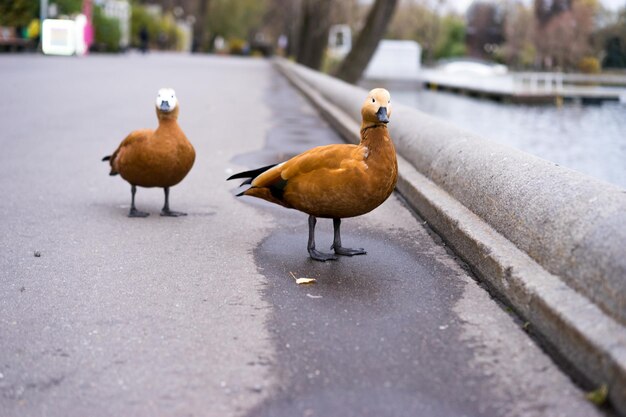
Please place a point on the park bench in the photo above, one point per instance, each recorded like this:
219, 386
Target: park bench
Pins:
11, 42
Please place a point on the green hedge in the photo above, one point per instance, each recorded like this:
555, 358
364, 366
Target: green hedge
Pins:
107, 32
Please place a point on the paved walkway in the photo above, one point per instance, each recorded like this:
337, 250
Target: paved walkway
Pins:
199, 316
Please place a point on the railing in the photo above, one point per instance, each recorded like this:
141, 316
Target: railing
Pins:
538, 82
557, 82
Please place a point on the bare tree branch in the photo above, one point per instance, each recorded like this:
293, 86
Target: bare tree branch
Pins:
352, 67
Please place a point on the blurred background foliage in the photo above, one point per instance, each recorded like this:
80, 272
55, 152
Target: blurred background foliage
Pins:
162, 31
68, 7
569, 35
18, 13
234, 19
107, 32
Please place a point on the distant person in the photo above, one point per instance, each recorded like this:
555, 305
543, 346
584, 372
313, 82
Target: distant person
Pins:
162, 40
144, 38
282, 45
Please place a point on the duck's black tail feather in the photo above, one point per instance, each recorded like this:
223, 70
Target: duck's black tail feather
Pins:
113, 172
251, 175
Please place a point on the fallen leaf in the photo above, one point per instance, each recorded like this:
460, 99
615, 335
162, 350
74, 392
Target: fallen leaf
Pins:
598, 396
301, 281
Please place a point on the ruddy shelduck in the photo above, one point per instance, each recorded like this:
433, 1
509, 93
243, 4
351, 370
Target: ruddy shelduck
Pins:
155, 158
335, 181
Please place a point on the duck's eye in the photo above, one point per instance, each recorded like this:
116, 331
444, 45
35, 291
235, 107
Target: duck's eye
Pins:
373, 100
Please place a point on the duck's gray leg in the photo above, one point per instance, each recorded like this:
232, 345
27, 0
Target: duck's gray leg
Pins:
133, 210
166, 207
340, 250
318, 256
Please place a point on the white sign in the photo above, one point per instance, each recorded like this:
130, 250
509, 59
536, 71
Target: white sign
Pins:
64, 37
339, 41
395, 60
58, 37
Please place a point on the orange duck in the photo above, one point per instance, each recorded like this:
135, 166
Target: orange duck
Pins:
155, 158
335, 181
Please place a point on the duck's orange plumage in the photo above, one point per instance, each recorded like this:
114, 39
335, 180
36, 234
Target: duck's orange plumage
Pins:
335, 181
155, 158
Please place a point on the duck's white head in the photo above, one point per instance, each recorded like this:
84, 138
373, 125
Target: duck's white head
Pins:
377, 108
166, 100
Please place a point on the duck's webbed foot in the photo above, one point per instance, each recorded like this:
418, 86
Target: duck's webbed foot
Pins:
348, 251
340, 250
321, 256
170, 213
136, 213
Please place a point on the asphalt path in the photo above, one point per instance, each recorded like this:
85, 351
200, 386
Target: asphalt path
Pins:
200, 315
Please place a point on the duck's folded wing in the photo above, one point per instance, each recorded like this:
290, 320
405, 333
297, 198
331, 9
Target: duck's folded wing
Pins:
134, 138
322, 158
271, 184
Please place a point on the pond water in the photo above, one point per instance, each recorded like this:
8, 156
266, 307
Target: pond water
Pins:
587, 138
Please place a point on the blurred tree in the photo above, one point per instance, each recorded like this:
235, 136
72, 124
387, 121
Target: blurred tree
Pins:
314, 25
230, 19
485, 28
68, 7
17, 13
107, 32
545, 10
566, 38
589, 65
162, 30
611, 40
140, 18
233, 19
200, 40
418, 21
451, 42
378, 18
519, 31
615, 54
281, 18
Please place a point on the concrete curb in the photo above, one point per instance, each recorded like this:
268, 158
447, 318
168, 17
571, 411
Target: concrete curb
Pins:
585, 335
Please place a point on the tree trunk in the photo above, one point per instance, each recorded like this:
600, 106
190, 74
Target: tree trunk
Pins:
379, 16
199, 43
313, 35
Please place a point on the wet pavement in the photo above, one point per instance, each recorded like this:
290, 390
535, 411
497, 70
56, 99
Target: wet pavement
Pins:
200, 316
391, 333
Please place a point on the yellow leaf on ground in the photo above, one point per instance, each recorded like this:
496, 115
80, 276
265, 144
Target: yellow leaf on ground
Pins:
301, 281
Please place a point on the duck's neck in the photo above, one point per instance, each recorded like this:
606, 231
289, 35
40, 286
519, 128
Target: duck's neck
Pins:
375, 135
167, 118
167, 122
168, 128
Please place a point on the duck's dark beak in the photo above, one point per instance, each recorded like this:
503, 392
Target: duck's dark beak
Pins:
382, 115
165, 106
